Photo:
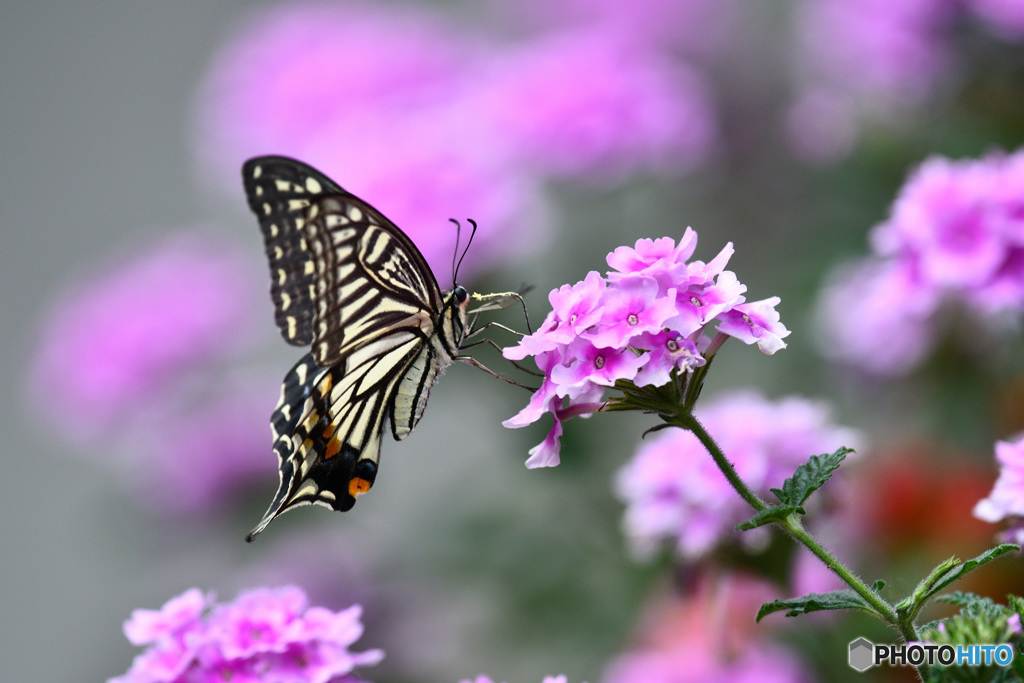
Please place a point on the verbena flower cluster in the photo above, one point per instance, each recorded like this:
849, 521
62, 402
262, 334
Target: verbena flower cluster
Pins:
955, 236
264, 635
1006, 501
647, 319
674, 492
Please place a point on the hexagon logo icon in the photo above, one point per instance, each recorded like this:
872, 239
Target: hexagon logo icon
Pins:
862, 654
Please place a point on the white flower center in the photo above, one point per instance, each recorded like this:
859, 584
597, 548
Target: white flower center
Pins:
672, 345
632, 319
599, 362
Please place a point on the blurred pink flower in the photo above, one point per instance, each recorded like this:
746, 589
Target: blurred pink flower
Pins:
191, 453
956, 234
674, 492
889, 52
1005, 17
487, 679
110, 345
1006, 501
687, 26
265, 634
427, 123
708, 637
583, 104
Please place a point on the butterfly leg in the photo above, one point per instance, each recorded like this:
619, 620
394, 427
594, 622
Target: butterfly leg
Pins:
469, 360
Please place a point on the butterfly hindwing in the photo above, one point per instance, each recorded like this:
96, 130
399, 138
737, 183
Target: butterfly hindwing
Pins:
280, 191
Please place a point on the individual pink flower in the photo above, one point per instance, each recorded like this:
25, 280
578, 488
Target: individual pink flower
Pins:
1006, 501
674, 492
265, 634
756, 322
115, 342
644, 324
632, 308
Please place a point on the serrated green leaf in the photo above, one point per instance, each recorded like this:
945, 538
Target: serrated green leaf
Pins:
957, 573
810, 476
947, 572
769, 516
816, 602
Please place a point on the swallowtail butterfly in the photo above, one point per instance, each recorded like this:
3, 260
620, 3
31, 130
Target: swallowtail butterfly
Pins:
350, 285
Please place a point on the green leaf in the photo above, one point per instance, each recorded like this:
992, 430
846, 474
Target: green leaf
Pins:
947, 572
957, 573
769, 516
816, 602
810, 476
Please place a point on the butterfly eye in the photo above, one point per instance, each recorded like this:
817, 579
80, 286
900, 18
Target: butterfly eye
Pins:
460, 294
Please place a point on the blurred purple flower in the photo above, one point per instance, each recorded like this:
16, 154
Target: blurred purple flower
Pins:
644, 322
1005, 17
584, 104
707, 637
889, 52
688, 26
439, 124
190, 454
265, 634
1006, 501
956, 234
486, 679
673, 490
112, 344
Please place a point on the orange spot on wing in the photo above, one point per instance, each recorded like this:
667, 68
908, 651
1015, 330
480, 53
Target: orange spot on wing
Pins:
358, 485
333, 447
329, 432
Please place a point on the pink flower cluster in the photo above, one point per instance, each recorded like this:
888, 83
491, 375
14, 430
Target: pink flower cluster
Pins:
441, 123
1006, 501
955, 235
264, 635
643, 322
674, 492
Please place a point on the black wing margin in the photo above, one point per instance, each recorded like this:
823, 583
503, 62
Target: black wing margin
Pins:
279, 191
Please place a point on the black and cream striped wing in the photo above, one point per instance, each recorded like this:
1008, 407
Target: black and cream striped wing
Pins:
370, 279
279, 191
327, 427
354, 287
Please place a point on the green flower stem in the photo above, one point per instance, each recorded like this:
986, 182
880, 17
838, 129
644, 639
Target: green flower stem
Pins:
689, 422
794, 528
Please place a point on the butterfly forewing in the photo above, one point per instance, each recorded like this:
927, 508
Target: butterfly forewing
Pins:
348, 282
370, 280
280, 192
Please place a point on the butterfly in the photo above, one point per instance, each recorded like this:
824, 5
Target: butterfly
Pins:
350, 285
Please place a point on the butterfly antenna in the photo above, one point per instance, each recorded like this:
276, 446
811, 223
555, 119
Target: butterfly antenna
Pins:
455, 254
468, 243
